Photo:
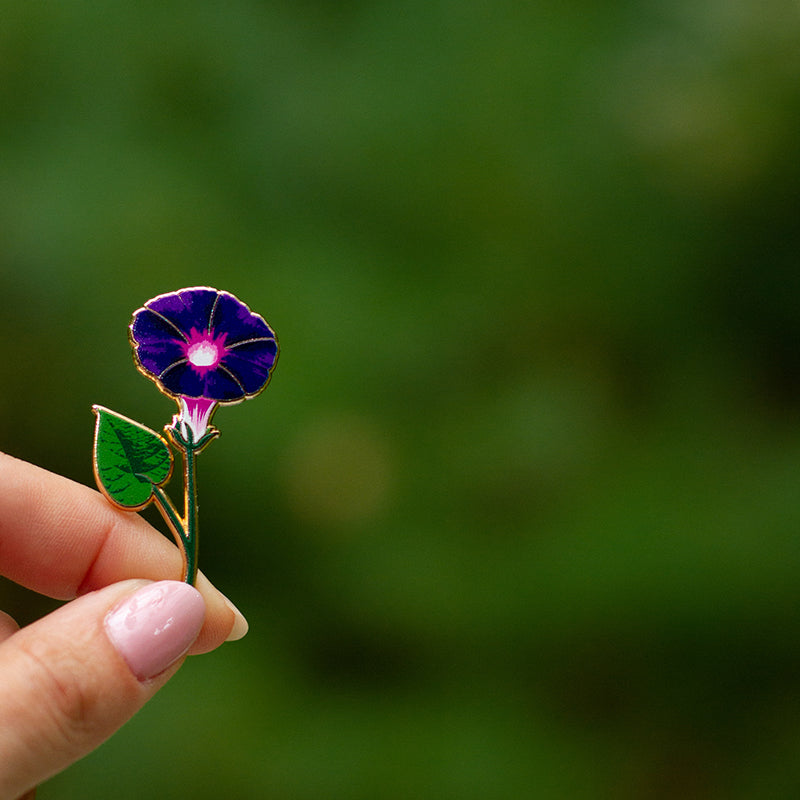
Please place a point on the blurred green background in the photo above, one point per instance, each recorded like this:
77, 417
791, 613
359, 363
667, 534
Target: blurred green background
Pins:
519, 514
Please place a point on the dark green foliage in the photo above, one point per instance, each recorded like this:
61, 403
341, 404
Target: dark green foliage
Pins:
519, 514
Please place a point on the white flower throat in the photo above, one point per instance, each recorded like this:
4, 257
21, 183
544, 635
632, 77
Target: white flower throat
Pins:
203, 354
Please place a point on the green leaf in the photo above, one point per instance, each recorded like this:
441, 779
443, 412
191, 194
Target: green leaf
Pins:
129, 459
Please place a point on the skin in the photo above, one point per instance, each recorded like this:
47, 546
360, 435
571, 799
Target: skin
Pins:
64, 688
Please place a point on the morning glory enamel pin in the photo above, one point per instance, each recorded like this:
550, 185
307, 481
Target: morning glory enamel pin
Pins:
203, 348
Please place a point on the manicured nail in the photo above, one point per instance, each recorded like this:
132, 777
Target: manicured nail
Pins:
240, 626
155, 626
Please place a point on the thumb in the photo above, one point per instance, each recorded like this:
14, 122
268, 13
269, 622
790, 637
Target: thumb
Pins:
68, 681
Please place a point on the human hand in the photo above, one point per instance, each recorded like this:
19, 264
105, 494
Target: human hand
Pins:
71, 679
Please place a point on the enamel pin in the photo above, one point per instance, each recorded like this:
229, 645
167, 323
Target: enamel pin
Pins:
203, 348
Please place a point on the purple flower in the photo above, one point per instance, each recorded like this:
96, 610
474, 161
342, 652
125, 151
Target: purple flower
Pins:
203, 347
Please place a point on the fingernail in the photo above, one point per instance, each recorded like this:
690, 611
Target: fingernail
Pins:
155, 626
240, 626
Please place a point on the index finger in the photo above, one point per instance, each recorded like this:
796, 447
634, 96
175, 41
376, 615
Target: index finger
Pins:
63, 539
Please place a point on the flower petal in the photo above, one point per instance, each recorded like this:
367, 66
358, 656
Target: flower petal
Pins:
238, 321
223, 385
186, 309
182, 379
157, 343
150, 325
252, 364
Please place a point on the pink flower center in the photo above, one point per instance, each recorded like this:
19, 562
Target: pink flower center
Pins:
204, 351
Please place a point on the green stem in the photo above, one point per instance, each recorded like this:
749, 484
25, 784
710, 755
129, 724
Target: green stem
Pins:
174, 522
190, 513
184, 529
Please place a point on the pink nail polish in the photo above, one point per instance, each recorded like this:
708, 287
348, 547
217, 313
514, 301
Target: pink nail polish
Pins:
155, 626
